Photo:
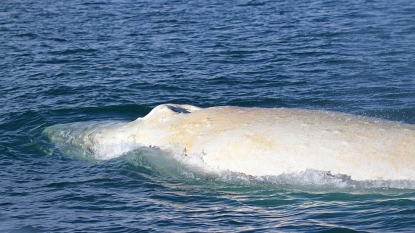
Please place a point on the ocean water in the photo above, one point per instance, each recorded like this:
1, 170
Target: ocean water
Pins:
114, 60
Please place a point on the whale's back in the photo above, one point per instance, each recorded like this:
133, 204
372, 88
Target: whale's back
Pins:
260, 141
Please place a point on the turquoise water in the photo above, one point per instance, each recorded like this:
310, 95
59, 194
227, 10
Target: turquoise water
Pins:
83, 61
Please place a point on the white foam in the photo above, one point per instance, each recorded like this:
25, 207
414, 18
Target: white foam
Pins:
111, 151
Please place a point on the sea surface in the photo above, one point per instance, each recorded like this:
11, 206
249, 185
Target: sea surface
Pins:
115, 60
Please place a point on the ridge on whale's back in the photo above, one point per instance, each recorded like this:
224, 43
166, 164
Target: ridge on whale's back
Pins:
264, 141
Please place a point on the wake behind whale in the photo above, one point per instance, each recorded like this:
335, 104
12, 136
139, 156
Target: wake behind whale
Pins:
256, 142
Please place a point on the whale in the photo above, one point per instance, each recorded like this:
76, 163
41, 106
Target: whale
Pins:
267, 141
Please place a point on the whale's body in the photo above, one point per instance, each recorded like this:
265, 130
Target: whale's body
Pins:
270, 142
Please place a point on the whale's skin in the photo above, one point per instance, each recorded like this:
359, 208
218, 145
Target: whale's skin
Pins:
273, 141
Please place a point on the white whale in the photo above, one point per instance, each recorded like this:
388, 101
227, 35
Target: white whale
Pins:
271, 142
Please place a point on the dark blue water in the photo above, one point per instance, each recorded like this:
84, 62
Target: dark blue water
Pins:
75, 61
